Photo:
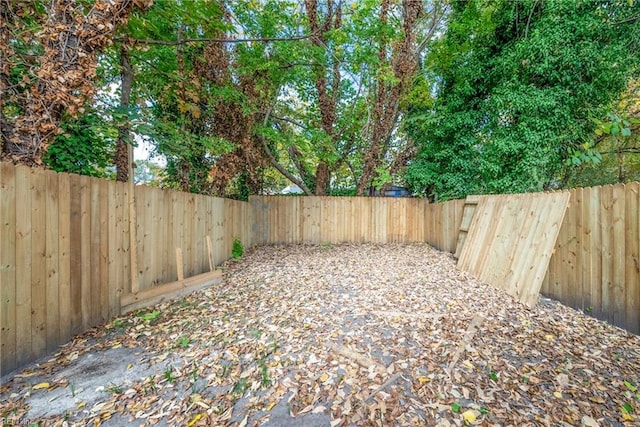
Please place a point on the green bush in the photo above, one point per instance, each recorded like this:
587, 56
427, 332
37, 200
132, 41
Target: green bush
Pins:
238, 249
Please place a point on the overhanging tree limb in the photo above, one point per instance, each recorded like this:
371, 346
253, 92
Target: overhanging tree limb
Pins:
276, 164
179, 42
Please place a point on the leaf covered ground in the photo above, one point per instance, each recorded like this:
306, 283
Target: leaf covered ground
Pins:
346, 335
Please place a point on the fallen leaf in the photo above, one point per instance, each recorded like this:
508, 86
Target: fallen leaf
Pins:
469, 416
41, 386
195, 420
587, 421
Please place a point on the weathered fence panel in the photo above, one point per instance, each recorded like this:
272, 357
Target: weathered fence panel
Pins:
596, 262
287, 219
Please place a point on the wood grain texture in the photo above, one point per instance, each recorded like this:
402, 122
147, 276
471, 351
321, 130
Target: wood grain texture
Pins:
511, 239
67, 255
8, 320
68, 258
287, 219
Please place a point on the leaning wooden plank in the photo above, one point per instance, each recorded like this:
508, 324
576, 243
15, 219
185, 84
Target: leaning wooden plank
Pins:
169, 291
514, 261
212, 263
556, 208
179, 264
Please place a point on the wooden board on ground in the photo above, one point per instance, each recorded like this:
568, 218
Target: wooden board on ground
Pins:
168, 291
510, 241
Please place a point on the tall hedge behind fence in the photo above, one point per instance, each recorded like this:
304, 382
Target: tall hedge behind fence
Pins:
286, 219
596, 264
65, 252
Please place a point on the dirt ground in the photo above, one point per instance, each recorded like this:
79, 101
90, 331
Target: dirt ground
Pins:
338, 335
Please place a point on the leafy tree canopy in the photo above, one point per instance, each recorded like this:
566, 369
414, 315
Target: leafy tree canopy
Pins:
518, 84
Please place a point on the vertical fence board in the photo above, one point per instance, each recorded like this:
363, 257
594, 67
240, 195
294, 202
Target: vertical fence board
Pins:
114, 253
52, 284
606, 227
142, 210
38, 268
8, 279
86, 254
95, 293
64, 260
218, 231
177, 214
632, 258
573, 216
190, 234
200, 253
168, 247
23, 267
125, 277
595, 251
618, 251
585, 278
155, 242
104, 283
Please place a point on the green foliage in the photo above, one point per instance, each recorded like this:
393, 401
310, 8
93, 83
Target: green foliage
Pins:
616, 143
85, 147
168, 375
517, 83
238, 249
149, 317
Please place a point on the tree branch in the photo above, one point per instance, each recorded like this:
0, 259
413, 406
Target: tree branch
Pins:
217, 40
277, 165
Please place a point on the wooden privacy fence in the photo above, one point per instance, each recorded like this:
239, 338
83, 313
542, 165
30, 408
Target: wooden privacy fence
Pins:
74, 250
287, 219
596, 264
65, 251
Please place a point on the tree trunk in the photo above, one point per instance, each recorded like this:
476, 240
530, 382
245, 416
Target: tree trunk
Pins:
404, 61
326, 102
323, 179
122, 161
